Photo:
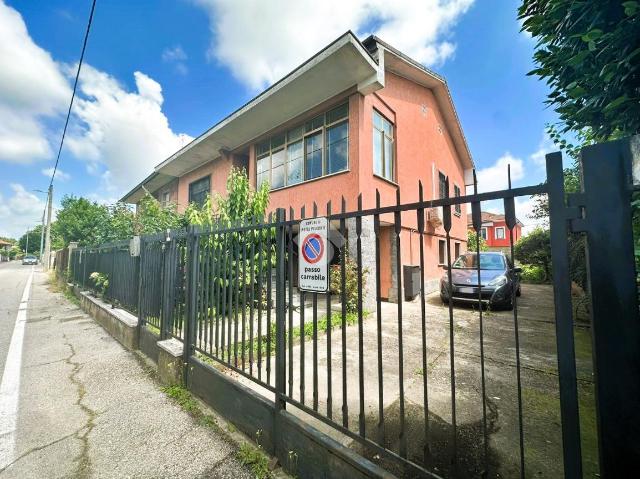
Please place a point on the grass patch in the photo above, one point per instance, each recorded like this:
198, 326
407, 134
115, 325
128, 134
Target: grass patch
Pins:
260, 344
255, 459
187, 402
58, 286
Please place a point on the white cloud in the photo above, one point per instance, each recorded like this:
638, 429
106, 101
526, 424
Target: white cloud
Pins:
176, 56
19, 212
545, 146
125, 133
60, 175
262, 41
31, 87
495, 177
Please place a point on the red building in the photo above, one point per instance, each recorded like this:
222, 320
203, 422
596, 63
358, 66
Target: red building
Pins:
495, 232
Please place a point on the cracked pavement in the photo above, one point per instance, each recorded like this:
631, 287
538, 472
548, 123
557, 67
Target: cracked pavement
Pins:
89, 408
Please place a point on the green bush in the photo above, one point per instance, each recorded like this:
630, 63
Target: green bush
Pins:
533, 274
351, 282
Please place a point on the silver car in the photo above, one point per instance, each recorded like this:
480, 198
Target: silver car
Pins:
30, 259
498, 280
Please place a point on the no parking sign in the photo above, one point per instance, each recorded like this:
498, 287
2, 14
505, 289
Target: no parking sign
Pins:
312, 257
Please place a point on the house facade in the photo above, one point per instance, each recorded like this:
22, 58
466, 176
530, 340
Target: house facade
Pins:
495, 231
356, 118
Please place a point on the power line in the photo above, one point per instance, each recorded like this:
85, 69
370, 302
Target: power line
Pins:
73, 95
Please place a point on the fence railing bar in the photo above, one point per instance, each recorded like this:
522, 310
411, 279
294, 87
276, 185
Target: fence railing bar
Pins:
302, 335
290, 305
476, 213
314, 306
361, 415
329, 326
343, 301
398, 229
420, 214
376, 229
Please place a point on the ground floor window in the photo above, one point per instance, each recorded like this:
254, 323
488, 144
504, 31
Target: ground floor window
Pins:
456, 249
500, 232
199, 189
442, 251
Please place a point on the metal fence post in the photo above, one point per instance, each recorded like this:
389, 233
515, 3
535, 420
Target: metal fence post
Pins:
558, 222
281, 278
192, 299
608, 185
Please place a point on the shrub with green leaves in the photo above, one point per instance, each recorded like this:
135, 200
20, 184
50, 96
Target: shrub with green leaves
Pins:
351, 282
100, 281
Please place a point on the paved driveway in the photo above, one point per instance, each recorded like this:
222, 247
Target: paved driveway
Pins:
541, 414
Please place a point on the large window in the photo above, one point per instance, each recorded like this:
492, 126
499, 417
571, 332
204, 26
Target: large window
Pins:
199, 189
383, 151
319, 147
500, 232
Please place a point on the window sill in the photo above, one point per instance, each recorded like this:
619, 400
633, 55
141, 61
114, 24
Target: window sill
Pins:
386, 180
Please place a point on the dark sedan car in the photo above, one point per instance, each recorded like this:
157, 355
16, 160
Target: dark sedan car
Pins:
498, 279
29, 259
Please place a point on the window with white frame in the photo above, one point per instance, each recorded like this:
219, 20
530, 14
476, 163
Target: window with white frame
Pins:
483, 233
383, 149
456, 193
317, 148
500, 232
442, 252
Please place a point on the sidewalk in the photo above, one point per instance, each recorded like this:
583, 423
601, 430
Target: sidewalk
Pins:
89, 408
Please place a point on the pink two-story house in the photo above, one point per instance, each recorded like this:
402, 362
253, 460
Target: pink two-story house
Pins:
355, 118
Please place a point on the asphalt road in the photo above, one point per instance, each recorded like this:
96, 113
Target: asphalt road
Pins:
75, 404
13, 277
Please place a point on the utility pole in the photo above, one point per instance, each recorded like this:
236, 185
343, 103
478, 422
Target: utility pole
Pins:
41, 238
47, 238
26, 248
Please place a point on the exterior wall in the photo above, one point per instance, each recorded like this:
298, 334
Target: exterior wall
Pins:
218, 169
422, 148
171, 188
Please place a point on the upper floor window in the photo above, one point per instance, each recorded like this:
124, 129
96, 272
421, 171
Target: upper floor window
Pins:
458, 206
319, 147
166, 196
383, 151
500, 232
199, 189
442, 185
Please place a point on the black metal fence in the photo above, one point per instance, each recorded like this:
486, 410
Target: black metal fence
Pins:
230, 293
115, 262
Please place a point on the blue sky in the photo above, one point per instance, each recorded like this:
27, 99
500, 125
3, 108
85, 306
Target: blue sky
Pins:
160, 72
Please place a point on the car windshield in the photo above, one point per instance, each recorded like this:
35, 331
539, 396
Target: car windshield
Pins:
487, 261
30, 257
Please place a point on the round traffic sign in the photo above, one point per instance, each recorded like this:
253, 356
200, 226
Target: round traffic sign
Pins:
312, 248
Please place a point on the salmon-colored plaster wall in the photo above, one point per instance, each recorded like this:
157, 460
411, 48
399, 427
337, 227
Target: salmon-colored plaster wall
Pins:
423, 147
218, 169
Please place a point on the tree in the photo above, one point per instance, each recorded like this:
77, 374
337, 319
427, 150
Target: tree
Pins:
588, 52
34, 240
472, 244
535, 249
81, 220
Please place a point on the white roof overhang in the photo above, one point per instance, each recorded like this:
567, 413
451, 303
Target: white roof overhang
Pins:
338, 67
